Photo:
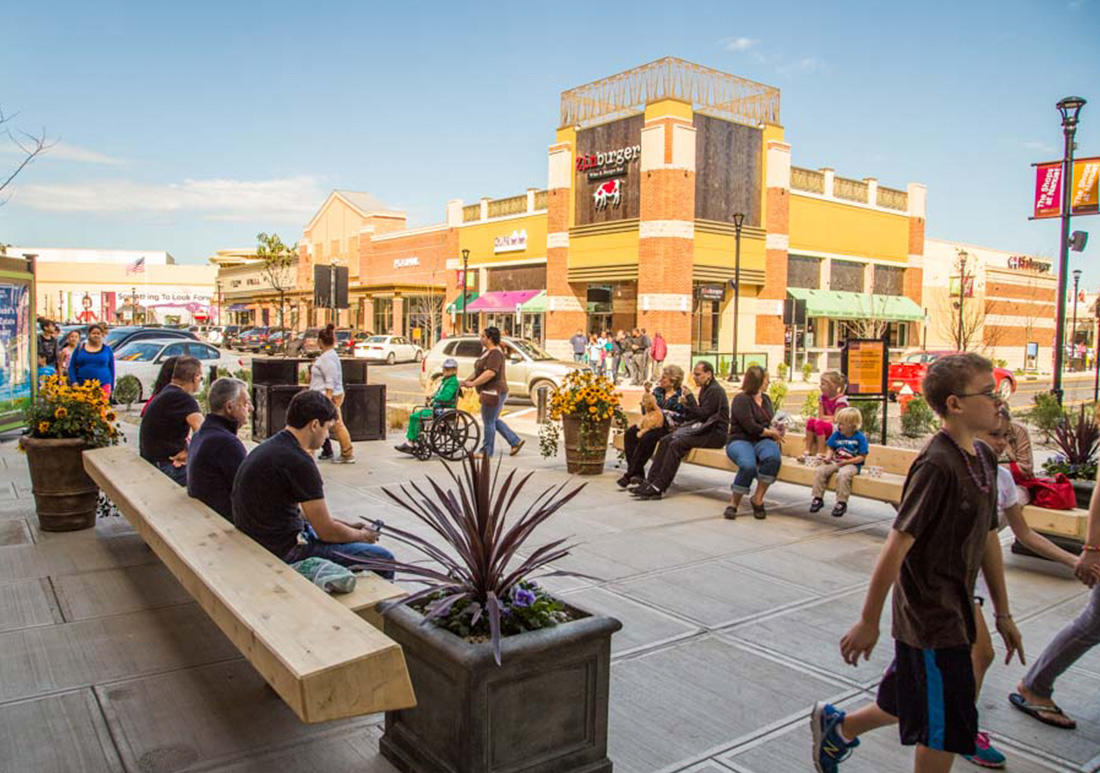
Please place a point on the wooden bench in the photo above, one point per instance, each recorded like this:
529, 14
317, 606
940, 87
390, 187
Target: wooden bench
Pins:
317, 651
1071, 524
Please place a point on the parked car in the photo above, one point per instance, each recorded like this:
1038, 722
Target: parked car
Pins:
257, 337
389, 349
214, 335
910, 372
276, 342
231, 336
118, 337
143, 358
304, 343
529, 368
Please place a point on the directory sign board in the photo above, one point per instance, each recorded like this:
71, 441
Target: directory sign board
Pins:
865, 362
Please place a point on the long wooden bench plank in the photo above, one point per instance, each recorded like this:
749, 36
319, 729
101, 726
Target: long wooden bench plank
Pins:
887, 488
324, 663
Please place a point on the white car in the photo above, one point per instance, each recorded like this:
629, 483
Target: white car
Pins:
214, 336
391, 349
144, 358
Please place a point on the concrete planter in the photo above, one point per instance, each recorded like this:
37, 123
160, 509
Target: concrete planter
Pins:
543, 711
1083, 491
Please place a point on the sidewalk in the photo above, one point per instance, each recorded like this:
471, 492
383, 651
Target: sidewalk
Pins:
730, 633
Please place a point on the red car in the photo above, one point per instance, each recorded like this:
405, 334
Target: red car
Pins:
910, 371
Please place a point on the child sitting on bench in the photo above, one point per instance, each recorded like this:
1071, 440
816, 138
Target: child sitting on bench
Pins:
847, 451
445, 397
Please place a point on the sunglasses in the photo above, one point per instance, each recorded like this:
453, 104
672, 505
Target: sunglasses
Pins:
991, 393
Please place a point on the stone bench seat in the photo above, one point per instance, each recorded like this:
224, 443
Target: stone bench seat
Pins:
318, 652
1068, 524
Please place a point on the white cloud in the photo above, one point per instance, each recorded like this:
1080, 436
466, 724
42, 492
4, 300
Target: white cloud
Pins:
288, 199
809, 64
65, 152
738, 44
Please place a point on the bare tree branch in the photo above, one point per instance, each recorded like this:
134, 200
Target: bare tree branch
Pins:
31, 146
277, 264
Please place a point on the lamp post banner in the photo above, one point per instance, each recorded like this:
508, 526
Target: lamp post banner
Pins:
1084, 194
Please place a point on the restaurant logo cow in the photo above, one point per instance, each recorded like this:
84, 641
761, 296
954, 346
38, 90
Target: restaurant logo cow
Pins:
610, 192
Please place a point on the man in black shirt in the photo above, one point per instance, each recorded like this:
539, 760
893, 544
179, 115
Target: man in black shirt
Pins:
216, 452
710, 416
279, 483
169, 418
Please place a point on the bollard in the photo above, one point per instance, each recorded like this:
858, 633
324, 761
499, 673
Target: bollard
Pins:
542, 405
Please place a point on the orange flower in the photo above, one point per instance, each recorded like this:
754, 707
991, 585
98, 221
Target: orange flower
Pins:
61, 412
43, 427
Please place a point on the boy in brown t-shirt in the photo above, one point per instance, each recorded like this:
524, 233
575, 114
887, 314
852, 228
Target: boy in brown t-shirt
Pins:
945, 531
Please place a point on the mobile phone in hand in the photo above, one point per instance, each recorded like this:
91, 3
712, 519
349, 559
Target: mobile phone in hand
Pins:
376, 524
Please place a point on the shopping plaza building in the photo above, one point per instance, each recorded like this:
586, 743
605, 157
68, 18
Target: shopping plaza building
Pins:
647, 172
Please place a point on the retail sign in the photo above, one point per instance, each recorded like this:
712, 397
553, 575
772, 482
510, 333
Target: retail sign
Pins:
610, 192
1084, 191
513, 242
611, 163
405, 262
1024, 263
711, 292
864, 362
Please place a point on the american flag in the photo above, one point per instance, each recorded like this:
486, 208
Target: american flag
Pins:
137, 267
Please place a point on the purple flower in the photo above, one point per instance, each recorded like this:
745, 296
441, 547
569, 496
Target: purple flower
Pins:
523, 598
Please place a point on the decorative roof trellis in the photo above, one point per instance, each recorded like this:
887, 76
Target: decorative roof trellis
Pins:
709, 91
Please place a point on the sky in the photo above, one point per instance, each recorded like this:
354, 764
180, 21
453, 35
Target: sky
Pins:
191, 127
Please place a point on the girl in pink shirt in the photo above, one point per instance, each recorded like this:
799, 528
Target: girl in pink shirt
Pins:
832, 400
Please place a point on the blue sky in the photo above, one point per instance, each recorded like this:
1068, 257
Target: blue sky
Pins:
191, 127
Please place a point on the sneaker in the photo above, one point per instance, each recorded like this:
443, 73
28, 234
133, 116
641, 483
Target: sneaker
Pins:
344, 460
624, 481
404, 448
324, 458
648, 492
840, 509
986, 755
815, 504
829, 748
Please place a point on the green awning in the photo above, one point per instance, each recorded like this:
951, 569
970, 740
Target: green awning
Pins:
838, 304
456, 305
536, 305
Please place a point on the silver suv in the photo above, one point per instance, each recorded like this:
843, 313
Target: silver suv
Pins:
529, 368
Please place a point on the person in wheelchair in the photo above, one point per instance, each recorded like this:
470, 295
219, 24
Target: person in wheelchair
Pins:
445, 398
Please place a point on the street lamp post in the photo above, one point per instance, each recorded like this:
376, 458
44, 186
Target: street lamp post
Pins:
462, 299
1070, 108
738, 221
962, 295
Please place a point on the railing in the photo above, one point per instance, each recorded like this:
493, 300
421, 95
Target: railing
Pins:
807, 180
541, 199
471, 212
891, 198
708, 91
852, 190
513, 205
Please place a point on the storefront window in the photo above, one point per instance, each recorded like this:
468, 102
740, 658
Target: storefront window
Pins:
889, 280
383, 315
423, 318
846, 276
600, 308
704, 330
531, 327
803, 271
504, 322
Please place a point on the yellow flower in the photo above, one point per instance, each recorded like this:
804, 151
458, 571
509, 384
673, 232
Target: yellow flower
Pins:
591, 409
43, 427
61, 412
109, 416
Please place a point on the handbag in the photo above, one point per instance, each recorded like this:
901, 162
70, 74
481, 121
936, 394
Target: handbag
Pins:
1053, 493
489, 397
692, 428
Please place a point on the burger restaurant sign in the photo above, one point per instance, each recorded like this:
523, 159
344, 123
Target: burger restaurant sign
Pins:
611, 163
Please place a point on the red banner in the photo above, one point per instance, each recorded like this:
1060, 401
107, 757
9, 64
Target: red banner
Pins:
1083, 191
1048, 190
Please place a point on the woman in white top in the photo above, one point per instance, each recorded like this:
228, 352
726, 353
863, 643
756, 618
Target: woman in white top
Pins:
327, 375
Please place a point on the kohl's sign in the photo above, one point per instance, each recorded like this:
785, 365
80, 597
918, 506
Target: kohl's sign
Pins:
513, 242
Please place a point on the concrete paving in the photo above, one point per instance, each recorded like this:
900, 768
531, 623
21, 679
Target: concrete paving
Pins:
730, 633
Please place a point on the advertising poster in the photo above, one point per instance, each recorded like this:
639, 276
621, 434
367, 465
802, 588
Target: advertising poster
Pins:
16, 327
866, 367
1084, 191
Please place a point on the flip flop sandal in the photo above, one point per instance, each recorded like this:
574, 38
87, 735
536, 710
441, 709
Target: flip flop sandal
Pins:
758, 511
730, 513
1033, 710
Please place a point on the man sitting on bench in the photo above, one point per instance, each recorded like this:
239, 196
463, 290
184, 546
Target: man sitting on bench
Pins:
216, 452
169, 418
279, 483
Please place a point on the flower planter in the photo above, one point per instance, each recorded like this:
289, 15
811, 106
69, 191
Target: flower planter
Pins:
1083, 490
543, 711
64, 496
585, 452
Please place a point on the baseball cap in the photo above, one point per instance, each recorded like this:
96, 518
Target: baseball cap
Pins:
450, 363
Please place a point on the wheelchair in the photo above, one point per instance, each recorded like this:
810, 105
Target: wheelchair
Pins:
451, 434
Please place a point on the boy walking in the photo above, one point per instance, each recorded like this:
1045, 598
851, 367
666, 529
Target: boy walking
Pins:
945, 531
846, 452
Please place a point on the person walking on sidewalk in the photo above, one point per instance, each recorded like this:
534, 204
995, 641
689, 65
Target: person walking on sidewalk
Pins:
639, 347
948, 509
47, 343
326, 375
706, 422
491, 382
618, 352
93, 360
580, 346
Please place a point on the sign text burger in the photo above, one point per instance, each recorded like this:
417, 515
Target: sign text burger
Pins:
611, 163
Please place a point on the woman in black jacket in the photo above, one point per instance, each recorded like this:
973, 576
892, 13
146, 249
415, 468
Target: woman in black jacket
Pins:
753, 443
638, 450
706, 422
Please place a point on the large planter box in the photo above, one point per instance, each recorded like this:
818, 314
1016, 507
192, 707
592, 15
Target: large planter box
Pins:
65, 498
1082, 489
543, 711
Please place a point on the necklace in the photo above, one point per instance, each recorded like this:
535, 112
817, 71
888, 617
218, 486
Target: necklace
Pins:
985, 482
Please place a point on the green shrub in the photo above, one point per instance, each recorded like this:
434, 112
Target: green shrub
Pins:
1046, 414
812, 404
777, 391
127, 390
919, 419
871, 410
781, 371
1000, 363
807, 371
